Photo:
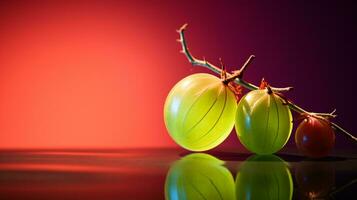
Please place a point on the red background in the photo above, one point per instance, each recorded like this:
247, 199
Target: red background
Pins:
95, 74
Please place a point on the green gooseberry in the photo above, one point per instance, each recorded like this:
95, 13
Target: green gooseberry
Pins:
199, 112
263, 122
264, 177
199, 176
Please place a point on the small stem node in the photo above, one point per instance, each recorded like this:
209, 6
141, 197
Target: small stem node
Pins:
238, 74
269, 90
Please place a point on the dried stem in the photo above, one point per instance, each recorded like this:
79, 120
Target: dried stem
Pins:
237, 77
203, 63
239, 73
328, 115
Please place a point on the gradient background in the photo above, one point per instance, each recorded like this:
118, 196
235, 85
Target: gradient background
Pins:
95, 74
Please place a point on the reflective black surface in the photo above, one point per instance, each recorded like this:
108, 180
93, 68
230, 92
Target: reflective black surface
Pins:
172, 174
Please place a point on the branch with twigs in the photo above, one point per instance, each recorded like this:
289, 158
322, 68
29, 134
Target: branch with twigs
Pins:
237, 77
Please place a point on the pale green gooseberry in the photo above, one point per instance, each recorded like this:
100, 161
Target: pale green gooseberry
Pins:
199, 112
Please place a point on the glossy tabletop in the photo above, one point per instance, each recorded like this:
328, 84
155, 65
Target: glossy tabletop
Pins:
172, 174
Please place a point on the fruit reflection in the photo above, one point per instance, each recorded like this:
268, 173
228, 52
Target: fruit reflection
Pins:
199, 176
314, 179
264, 177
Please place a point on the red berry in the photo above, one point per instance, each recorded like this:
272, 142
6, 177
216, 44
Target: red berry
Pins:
314, 137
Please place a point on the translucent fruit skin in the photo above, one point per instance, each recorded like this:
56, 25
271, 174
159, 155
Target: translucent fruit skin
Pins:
199, 112
263, 123
199, 176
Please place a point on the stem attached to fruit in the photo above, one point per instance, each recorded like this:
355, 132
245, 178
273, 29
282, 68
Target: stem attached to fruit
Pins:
237, 77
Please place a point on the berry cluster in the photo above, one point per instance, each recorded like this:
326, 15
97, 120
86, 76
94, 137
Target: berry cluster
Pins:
201, 111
